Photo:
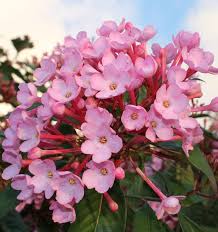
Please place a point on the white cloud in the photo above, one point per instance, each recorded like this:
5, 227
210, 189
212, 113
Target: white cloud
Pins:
48, 21
203, 17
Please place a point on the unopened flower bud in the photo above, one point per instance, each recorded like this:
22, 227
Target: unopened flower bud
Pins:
119, 173
35, 153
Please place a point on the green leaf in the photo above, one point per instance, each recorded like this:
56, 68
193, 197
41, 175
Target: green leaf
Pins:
93, 214
188, 225
13, 222
8, 201
22, 43
145, 220
198, 160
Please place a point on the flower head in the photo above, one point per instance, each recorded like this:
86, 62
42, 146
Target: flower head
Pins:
134, 117
99, 176
44, 172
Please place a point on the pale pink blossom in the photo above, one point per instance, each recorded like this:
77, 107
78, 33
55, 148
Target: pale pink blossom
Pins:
112, 83
157, 127
169, 48
84, 81
169, 205
28, 131
22, 183
146, 67
96, 49
27, 95
45, 72
62, 213
72, 62
64, 91
198, 59
68, 187
186, 39
134, 117
102, 142
176, 76
99, 176
15, 161
44, 172
170, 102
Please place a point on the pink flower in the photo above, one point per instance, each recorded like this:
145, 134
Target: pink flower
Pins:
190, 137
69, 187
96, 49
11, 140
187, 122
45, 72
133, 117
49, 107
176, 76
62, 213
102, 142
72, 62
44, 172
169, 205
146, 67
194, 90
13, 158
157, 126
84, 81
170, 102
27, 95
121, 41
99, 176
213, 106
21, 182
147, 33
111, 84
64, 90
185, 39
199, 60
29, 131
98, 116
109, 26
169, 48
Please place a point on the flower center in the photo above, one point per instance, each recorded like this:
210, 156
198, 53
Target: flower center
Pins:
68, 94
113, 86
104, 171
72, 181
50, 174
153, 124
134, 116
166, 104
103, 140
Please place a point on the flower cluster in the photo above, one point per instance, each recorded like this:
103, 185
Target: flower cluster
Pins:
114, 97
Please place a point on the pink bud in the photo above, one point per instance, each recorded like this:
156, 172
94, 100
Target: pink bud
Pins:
119, 173
58, 109
35, 153
146, 67
75, 165
113, 206
91, 103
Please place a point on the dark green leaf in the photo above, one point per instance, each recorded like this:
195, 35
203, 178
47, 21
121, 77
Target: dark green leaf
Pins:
7, 201
198, 160
93, 214
188, 225
22, 43
13, 222
145, 220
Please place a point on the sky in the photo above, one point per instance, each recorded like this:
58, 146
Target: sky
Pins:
48, 21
